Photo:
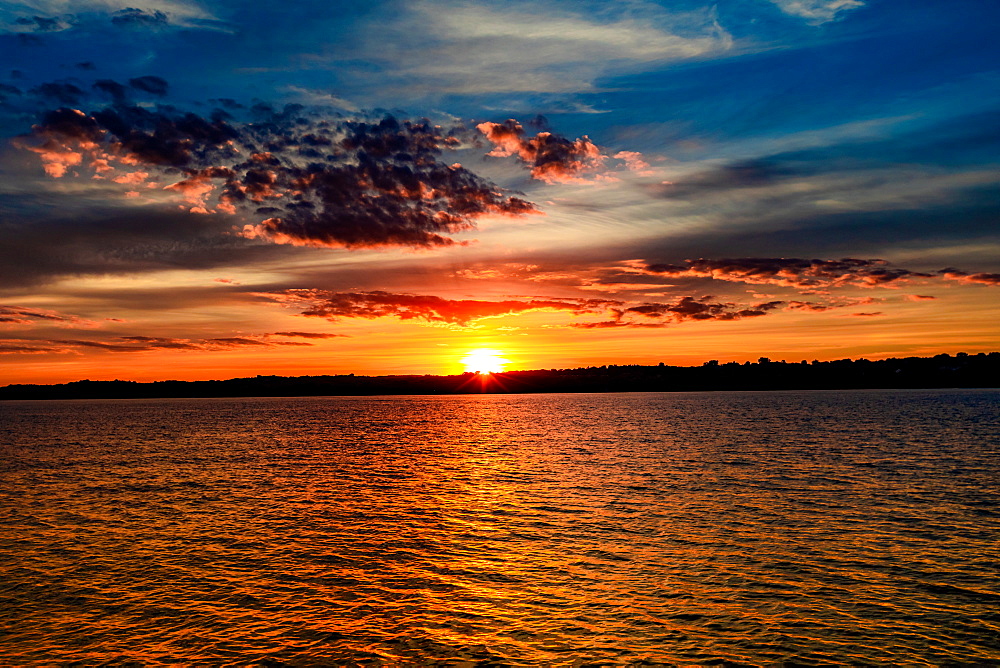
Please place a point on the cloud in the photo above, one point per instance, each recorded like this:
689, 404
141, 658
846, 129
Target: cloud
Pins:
309, 335
789, 272
20, 315
725, 178
350, 184
57, 15
981, 278
62, 92
828, 305
466, 312
553, 158
429, 308
115, 90
29, 40
695, 308
476, 47
238, 341
550, 157
37, 23
17, 349
56, 235
139, 344
6, 91
132, 17
150, 84
817, 11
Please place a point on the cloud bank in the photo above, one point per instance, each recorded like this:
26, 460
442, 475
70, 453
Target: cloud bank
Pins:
349, 184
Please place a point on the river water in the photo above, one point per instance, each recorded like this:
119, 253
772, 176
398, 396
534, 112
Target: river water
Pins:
729, 528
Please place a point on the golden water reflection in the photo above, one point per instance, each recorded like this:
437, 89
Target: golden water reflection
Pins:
513, 530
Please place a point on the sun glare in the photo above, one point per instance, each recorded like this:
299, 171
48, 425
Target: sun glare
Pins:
484, 361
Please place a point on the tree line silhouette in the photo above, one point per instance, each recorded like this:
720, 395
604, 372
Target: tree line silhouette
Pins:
960, 370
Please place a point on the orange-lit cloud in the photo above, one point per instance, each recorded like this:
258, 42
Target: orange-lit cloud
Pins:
346, 184
551, 158
465, 312
981, 278
430, 308
20, 315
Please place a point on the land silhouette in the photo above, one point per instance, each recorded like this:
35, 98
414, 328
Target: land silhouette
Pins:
960, 370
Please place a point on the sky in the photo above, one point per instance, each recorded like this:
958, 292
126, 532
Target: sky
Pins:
197, 190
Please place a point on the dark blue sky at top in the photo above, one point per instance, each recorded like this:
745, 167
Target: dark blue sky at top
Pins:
881, 84
783, 74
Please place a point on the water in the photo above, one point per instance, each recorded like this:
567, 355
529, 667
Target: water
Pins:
778, 528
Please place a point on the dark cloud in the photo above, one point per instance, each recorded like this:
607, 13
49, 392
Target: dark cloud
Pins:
56, 235
747, 174
347, 184
791, 272
114, 89
150, 84
87, 65
694, 308
60, 91
132, 17
385, 187
41, 23
7, 91
29, 40
777, 230
227, 103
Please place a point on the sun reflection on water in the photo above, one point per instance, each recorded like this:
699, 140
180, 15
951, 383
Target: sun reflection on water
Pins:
503, 529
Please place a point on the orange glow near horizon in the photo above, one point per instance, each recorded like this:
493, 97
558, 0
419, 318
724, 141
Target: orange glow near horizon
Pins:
238, 339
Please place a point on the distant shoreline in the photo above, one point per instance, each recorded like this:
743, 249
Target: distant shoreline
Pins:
941, 371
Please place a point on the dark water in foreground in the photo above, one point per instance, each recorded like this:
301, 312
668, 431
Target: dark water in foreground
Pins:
650, 529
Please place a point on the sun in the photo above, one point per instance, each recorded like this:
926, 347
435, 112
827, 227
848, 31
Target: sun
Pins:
484, 360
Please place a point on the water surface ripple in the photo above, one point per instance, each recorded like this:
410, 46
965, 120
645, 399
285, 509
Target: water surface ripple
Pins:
771, 528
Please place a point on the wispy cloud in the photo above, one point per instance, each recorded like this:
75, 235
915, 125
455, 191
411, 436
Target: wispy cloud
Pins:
139, 344
789, 272
475, 47
53, 15
818, 11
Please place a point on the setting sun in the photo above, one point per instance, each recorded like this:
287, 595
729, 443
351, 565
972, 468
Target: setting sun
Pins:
484, 361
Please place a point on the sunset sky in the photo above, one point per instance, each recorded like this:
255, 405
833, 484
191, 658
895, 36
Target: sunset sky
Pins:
194, 190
